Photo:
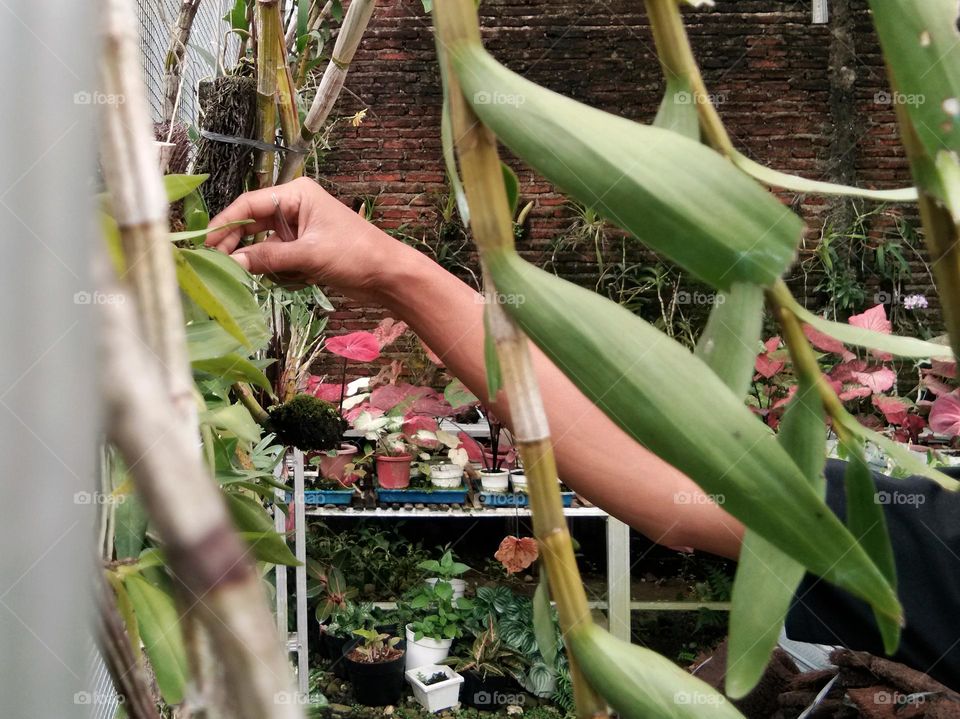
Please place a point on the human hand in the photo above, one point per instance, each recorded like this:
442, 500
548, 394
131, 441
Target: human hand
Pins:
329, 243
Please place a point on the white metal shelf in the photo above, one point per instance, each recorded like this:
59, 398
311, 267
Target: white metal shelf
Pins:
464, 512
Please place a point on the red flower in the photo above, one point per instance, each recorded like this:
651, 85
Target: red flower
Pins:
517, 553
358, 346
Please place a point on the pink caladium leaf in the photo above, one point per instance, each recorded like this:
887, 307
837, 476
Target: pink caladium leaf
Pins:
876, 379
895, 409
517, 553
410, 399
911, 428
933, 383
472, 446
846, 371
873, 319
870, 421
357, 346
825, 343
329, 391
854, 392
945, 414
942, 368
417, 423
389, 331
768, 363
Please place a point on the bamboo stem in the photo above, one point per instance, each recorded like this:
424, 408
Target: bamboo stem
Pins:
268, 65
152, 416
354, 24
245, 396
173, 66
286, 95
677, 60
492, 226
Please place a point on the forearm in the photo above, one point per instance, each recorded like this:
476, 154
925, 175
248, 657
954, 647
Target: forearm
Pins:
595, 457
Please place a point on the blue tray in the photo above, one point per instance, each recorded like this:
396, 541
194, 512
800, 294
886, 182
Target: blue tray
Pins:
325, 496
516, 499
437, 496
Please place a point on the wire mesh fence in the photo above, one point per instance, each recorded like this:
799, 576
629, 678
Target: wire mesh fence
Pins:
204, 50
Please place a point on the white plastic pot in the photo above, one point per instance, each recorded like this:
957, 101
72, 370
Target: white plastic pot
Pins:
459, 586
425, 652
519, 480
435, 697
447, 476
494, 481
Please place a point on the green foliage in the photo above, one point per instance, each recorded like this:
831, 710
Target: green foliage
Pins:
349, 618
446, 569
437, 614
376, 647
307, 423
490, 656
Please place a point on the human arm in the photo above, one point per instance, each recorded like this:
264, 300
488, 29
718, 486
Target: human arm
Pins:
595, 457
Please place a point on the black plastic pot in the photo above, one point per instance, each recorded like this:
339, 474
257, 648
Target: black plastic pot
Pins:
332, 648
374, 685
488, 693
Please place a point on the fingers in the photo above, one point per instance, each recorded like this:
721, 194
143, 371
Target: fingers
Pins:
274, 259
261, 207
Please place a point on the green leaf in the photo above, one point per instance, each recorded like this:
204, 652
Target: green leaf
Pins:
446, 139
233, 368
196, 234
195, 212
649, 181
867, 522
767, 579
159, 625
236, 17
543, 628
127, 613
669, 401
211, 279
729, 341
179, 186
208, 340
773, 178
234, 418
860, 337
678, 112
639, 683
512, 185
270, 547
490, 359
248, 514
920, 47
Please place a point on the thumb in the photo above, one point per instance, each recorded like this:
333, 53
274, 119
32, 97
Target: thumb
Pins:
270, 258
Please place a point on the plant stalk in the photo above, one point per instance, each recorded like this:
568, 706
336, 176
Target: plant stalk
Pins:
354, 24
269, 61
492, 225
173, 66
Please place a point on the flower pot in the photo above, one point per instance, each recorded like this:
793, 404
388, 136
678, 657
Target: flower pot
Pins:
331, 647
490, 693
502, 456
439, 695
494, 481
447, 476
393, 472
375, 685
519, 480
459, 586
425, 651
334, 467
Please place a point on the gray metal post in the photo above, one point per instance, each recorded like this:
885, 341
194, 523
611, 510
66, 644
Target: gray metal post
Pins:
280, 524
821, 12
300, 544
618, 578
48, 397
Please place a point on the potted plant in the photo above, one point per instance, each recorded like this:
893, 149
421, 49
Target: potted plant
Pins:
446, 570
495, 460
339, 630
490, 670
393, 452
440, 621
435, 686
375, 667
518, 478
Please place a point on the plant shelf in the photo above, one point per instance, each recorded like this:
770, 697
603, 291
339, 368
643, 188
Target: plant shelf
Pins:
421, 496
517, 499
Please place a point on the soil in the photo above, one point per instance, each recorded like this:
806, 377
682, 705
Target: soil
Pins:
389, 655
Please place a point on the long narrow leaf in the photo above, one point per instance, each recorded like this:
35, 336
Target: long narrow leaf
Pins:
729, 341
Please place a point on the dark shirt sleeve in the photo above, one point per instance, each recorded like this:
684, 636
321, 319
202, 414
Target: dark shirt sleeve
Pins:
924, 524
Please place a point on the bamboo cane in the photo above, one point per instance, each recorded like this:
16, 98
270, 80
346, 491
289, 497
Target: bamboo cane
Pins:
354, 24
269, 60
173, 65
316, 22
152, 418
492, 226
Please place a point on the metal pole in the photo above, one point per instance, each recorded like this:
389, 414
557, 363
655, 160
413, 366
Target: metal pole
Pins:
48, 402
300, 545
821, 12
618, 578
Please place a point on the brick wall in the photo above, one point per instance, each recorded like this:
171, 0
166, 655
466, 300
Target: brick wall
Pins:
797, 96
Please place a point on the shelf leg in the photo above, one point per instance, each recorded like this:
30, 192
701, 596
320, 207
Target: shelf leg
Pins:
618, 578
300, 546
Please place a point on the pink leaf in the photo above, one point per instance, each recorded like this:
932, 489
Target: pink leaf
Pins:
517, 553
894, 409
936, 386
877, 379
474, 450
329, 391
389, 331
945, 415
942, 368
845, 371
357, 346
772, 344
854, 392
767, 366
825, 343
873, 319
